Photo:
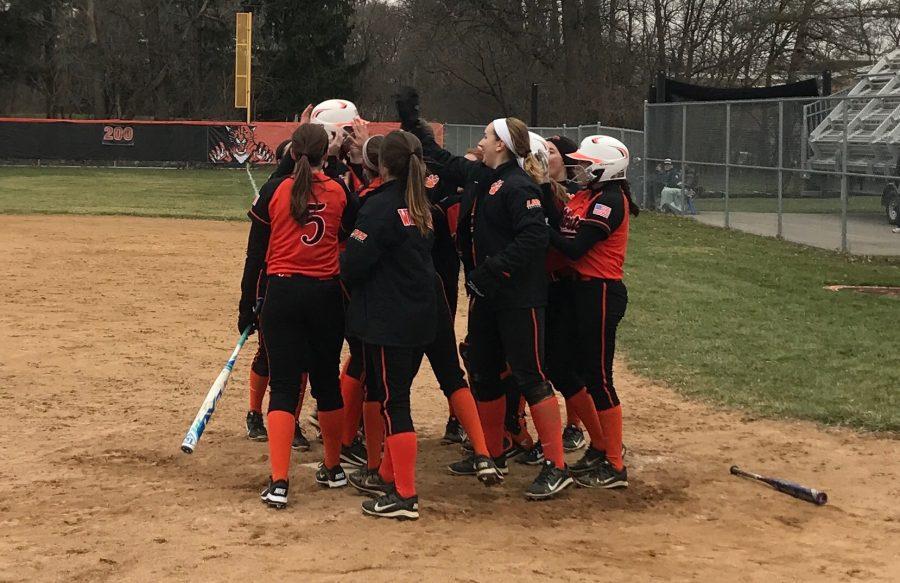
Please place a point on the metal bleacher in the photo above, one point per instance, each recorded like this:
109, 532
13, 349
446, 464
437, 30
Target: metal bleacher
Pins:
872, 113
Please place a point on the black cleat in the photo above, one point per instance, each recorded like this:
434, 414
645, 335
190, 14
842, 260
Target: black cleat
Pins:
514, 451
454, 433
533, 457
256, 429
573, 438
275, 494
591, 460
550, 482
483, 467
370, 482
331, 477
393, 506
300, 443
605, 476
354, 454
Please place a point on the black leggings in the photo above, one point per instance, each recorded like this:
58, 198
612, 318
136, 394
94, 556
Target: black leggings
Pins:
563, 353
441, 353
600, 305
498, 337
303, 323
390, 371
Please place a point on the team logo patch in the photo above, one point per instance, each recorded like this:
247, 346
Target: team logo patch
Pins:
602, 210
432, 180
358, 235
533, 204
405, 218
495, 187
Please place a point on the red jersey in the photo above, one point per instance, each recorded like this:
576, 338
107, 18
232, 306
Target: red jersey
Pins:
607, 209
311, 248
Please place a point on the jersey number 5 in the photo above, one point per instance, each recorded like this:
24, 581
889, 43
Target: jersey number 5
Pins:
314, 218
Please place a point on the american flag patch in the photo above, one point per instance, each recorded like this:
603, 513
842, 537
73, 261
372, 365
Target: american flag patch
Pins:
532, 203
602, 210
405, 218
358, 235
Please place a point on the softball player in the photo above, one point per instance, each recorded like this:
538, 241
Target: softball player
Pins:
388, 267
302, 317
593, 236
253, 288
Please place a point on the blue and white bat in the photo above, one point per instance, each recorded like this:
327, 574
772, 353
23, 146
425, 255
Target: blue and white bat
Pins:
212, 398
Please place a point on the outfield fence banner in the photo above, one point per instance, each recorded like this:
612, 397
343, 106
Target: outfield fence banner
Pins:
822, 171
460, 137
232, 144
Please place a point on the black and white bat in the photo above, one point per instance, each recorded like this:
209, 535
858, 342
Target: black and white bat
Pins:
790, 488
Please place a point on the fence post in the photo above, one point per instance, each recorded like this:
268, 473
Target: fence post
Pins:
645, 152
727, 162
780, 168
844, 193
683, 148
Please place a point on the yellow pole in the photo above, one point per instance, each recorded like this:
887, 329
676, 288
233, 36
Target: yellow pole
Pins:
249, 61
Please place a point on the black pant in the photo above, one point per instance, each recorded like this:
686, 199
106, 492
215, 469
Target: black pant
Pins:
260, 364
600, 304
562, 343
303, 323
442, 352
498, 337
357, 365
390, 371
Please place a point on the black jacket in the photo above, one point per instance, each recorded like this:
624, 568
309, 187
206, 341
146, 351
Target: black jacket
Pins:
505, 246
387, 266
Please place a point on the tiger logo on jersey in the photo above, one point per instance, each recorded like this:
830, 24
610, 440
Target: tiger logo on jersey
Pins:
432, 180
495, 187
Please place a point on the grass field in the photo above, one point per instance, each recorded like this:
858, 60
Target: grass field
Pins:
856, 205
720, 315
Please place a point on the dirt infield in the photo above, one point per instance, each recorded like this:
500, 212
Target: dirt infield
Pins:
115, 328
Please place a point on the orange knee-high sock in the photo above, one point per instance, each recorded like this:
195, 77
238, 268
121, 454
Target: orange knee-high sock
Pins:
352, 392
462, 402
303, 382
386, 469
549, 428
572, 417
374, 424
582, 405
611, 420
403, 454
493, 415
258, 384
332, 424
281, 433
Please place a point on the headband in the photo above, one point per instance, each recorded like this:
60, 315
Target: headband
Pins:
368, 163
502, 131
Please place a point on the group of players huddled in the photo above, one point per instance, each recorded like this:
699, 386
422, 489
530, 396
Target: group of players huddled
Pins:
360, 238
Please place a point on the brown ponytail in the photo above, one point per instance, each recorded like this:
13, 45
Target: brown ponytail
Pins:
308, 143
518, 131
633, 208
401, 158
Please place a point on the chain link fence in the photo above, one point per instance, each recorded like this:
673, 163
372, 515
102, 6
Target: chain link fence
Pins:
460, 137
819, 171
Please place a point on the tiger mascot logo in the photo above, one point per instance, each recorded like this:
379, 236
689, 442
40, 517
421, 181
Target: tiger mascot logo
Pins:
240, 146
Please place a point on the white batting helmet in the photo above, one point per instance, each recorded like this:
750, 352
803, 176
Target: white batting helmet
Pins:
608, 158
334, 114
